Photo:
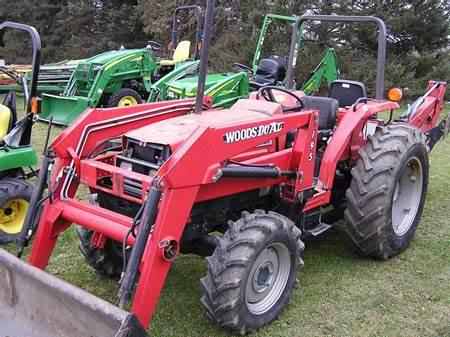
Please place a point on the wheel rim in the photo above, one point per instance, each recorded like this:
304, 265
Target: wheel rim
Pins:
127, 101
407, 196
267, 278
12, 216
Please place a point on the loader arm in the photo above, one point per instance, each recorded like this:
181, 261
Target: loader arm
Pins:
225, 93
327, 69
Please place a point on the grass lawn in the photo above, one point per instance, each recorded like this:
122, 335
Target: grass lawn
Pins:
340, 293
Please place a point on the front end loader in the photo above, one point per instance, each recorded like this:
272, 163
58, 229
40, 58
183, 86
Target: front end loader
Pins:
121, 77
243, 186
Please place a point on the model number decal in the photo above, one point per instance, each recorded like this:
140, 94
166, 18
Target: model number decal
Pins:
253, 132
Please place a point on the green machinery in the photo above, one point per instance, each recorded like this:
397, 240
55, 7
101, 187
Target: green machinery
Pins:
226, 88
16, 152
122, 77
52, 77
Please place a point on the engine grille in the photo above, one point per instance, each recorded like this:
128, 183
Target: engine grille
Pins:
141, 158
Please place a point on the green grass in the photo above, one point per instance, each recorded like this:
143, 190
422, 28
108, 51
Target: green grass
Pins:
340, 293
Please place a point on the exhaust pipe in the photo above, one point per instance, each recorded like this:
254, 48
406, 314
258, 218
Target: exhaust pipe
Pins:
34, 303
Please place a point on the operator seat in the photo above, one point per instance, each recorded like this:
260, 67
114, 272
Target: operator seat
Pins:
328, 109
347, 92
266, 74
181, 54
282, 62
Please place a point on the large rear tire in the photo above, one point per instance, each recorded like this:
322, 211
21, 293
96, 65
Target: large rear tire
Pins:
387, 193
252, 272
15, 195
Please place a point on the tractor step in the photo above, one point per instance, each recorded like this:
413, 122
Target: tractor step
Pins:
316, 231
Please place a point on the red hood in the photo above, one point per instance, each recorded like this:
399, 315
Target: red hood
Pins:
175, 130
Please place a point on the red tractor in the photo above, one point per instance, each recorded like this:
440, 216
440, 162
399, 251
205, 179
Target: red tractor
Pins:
243, 186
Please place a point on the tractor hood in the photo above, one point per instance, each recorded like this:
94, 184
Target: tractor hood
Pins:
107, 57
188, 85
174, 131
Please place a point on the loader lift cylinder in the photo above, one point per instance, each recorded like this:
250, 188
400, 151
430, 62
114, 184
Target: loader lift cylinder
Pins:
145, 229
204, 57
43, 179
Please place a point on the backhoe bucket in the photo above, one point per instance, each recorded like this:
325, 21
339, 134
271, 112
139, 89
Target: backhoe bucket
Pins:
63, 109
34, 303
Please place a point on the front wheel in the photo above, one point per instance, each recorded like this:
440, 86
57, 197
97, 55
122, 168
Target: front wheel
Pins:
15, 195
124, 97
252, 271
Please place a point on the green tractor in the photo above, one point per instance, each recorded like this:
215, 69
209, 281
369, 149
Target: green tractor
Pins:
227, 88
122, 77
16, 152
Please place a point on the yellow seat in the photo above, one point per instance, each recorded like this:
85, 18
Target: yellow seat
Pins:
5, 117
180, 54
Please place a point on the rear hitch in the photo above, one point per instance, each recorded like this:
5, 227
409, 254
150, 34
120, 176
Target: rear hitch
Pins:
438, 132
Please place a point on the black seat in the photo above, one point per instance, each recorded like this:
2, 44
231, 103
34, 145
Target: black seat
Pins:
347, 92
282, 62
328, 108
266, 74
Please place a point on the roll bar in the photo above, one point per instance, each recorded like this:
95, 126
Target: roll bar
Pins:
204, 57
381, 58
36, 40
198, 30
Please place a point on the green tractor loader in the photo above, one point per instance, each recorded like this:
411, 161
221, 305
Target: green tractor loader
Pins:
16, 152
227, 88
122, 77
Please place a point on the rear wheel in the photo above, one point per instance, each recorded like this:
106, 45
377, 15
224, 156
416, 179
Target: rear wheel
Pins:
124, 97
15, 195
387, 194
252, 271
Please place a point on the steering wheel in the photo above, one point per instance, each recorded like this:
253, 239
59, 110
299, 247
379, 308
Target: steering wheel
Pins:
242, 67
267, 94
154, 46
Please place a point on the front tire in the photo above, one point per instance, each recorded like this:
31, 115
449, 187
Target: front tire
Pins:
387, 193
15, 195
107, 260
252, 272
124, 97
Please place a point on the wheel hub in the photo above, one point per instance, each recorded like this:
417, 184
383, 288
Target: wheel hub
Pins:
127, 101
12, 215
267, 278
263, 276
407, 196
